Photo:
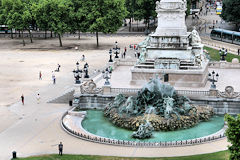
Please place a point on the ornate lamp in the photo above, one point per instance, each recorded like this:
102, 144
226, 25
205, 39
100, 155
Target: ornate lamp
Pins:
213, 77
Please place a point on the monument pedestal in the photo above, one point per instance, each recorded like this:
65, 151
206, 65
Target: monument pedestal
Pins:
172, 52
178, 78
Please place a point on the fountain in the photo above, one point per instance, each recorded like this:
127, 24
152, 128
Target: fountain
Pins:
157, 113
157, 107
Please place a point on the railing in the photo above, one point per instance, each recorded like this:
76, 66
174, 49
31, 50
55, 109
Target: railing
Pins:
125, 90
141, 144
126, 63
189, 92
224, 65
181, 92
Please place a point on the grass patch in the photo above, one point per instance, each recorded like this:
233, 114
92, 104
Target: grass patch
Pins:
223, 155
214, 55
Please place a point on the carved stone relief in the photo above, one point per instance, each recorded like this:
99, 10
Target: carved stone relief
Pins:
229, 93
90, 88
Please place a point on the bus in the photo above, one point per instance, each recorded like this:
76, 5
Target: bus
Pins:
226, 36
219, 10
4, 29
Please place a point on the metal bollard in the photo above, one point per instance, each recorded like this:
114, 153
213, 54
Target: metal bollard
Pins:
14, 154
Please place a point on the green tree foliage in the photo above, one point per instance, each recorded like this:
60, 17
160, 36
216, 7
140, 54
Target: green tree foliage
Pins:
40, 13
131, 7
2, 17
189, 4
233, 135
54, 15
79, 18
145, 9
61, 16
104, 15
230, 11
28, 14
17, 15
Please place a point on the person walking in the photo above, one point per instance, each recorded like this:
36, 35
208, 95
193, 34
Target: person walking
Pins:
138, 55
83, 58
238, 51
22, 98
60, 148
58, 69
53, 78
38, 98
40, 75
124, 54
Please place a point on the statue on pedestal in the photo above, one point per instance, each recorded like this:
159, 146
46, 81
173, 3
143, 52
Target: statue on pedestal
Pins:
142, 56
144, 43
195, 38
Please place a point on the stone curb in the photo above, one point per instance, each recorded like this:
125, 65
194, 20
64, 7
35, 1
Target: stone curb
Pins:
102, 140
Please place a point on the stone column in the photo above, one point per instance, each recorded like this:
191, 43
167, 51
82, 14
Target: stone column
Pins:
223, 64
213, 92
76, 95
112, 64
77, 90
106, 89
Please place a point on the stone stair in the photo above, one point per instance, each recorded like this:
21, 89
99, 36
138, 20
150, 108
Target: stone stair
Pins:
148, 64
64, 98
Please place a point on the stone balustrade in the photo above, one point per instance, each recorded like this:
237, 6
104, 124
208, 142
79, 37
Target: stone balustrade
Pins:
224, 65
130, 91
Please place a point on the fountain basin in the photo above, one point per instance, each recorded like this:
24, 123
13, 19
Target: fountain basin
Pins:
97, 124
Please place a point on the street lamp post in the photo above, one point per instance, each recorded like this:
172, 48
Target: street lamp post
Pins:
86, 70
77, 74
107, 75
117, 50
77, 64
213, 77
110, 54
223, 53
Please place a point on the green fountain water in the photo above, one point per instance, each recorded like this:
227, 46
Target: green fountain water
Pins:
97, 124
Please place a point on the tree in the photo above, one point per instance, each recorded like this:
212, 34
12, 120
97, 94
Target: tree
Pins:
17, 15
233, 135
40, 13
145, 9
189, 4
104, 15
54, 15
230, 11
131, 7
79, 18
2, 21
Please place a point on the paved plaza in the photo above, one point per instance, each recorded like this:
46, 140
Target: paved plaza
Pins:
35, 129
176, 48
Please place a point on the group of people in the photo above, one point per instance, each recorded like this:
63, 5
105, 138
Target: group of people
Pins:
38, 98
135, 48
53, 75
53, 79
